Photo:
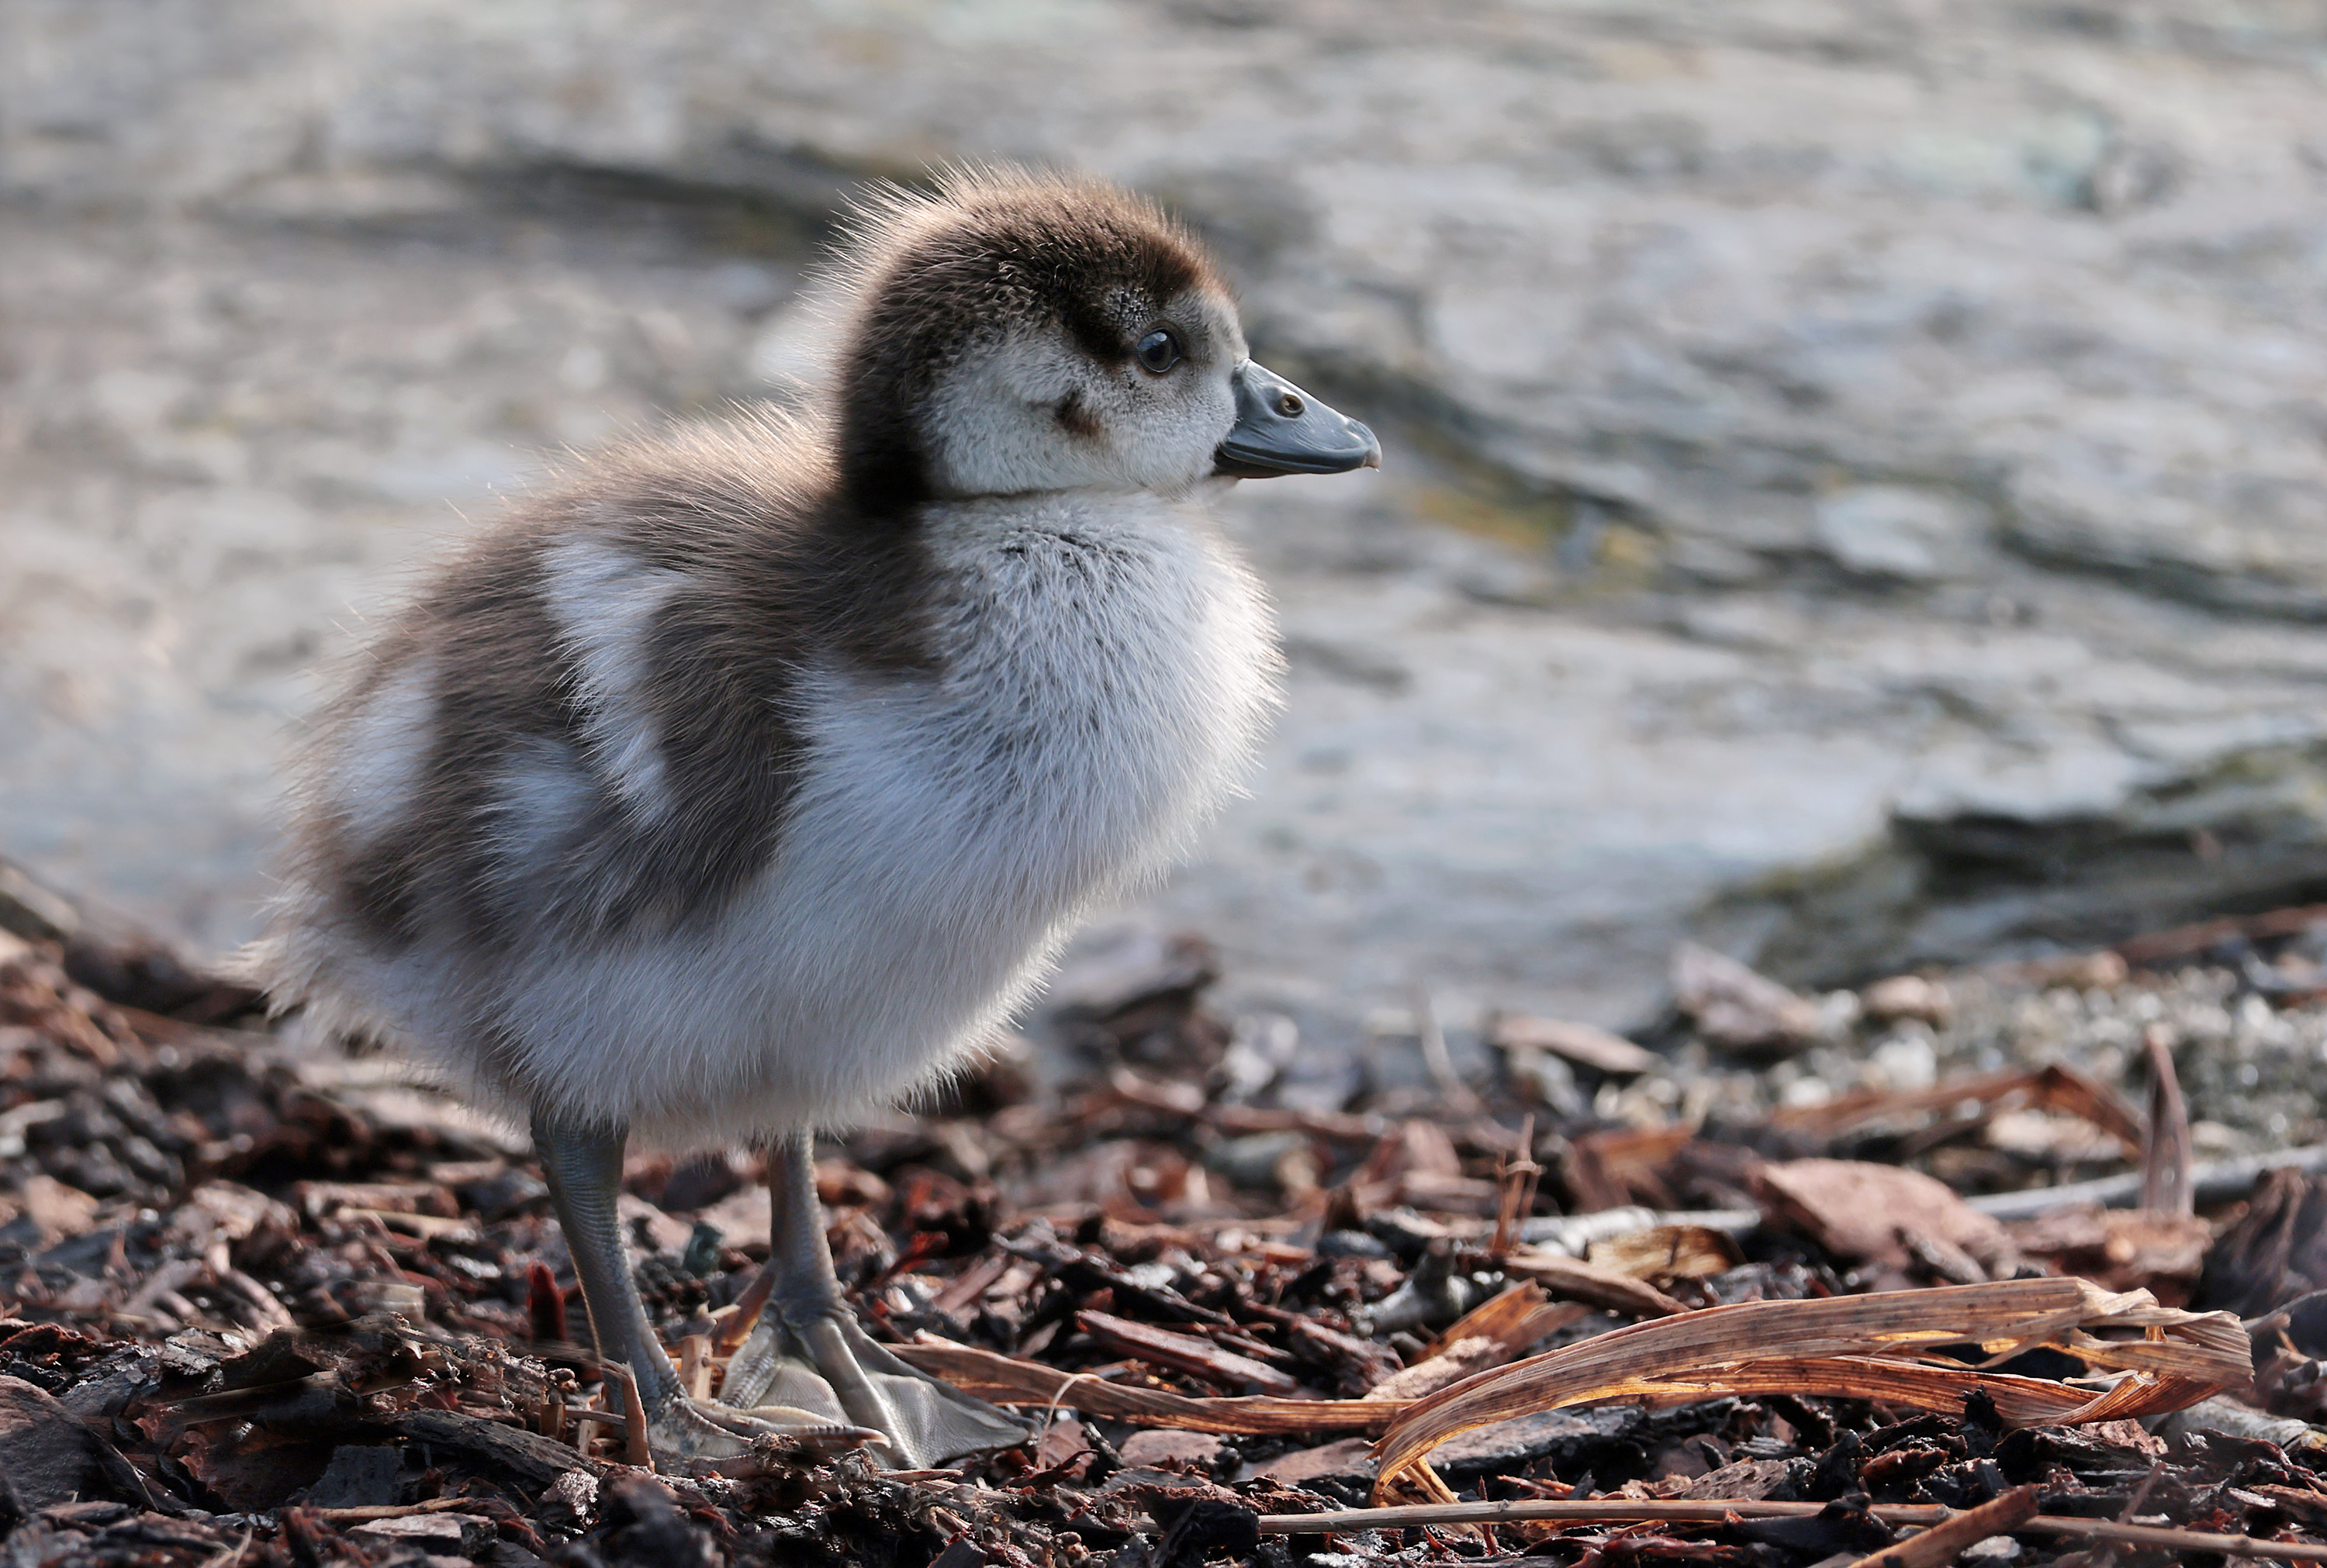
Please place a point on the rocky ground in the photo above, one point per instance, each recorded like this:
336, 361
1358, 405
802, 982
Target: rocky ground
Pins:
1855, 467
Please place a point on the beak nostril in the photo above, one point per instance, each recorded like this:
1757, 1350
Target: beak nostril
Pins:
1281, 429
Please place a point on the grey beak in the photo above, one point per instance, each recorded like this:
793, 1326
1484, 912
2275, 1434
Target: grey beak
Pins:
1281, 429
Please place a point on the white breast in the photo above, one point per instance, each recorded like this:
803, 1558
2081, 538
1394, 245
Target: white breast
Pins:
1108, 672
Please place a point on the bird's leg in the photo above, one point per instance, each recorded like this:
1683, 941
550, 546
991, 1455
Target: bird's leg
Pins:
584, 1168
585, 1173
807, 1348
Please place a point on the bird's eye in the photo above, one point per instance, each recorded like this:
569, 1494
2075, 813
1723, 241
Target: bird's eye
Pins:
1158, 351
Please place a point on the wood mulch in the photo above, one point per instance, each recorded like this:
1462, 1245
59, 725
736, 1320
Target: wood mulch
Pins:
260, 1306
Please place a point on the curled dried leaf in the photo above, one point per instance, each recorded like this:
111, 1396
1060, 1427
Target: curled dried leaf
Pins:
1877, 1346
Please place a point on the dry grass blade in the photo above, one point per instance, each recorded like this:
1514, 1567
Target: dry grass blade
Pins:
1861, 1347
1007, 1380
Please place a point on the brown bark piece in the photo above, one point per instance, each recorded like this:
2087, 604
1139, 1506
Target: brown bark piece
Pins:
1185, 1353
1668, 1252
47, 1454
1869, 1211
2122, 1248
1591, 1284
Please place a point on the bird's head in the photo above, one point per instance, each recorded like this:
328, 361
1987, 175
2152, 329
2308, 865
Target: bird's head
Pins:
1014, 334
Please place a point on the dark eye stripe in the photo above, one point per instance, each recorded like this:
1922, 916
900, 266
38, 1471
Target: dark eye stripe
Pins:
1158, 351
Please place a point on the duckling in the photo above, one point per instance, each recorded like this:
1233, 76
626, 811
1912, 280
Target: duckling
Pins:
749, 776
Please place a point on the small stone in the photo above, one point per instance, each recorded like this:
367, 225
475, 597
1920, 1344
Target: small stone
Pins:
1735, 1009
1907, 1061
1907, 996
1803, 1092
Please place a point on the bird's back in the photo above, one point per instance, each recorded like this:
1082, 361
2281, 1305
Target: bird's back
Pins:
692, 798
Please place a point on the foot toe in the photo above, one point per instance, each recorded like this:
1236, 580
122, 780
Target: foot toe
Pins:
703, 1428
827, 1365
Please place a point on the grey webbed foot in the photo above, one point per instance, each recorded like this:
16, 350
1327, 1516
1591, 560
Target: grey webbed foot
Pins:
826, 1364
808, 1351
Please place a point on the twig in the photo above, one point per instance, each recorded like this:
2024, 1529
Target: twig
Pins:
2182, 941
1574, 1234
1939, 1544
635, 1415
376, 1511
1713, 1511
2125, 1516
1517, 1179
587, 1413
1592, 1283
2220, 1181
729, 1337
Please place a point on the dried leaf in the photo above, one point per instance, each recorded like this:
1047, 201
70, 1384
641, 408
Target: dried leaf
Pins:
1622, 1166
2119, 1249
1860, 1209
1866, 1347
